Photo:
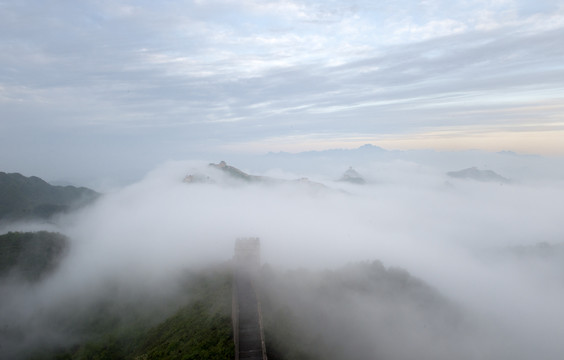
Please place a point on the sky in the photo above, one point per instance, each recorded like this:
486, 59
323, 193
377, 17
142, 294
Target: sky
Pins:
117, 87
112, 89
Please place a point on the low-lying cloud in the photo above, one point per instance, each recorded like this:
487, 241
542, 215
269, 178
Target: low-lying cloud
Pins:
409, 215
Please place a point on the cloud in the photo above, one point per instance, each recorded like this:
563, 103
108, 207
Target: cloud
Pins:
187, 76
409, 215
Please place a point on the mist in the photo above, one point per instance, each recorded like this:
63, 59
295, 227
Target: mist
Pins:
452, 234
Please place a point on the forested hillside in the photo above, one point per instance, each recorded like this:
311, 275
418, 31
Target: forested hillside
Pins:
191, 323
31, 256
24, 197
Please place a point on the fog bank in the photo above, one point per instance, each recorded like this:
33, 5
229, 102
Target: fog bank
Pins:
409, 214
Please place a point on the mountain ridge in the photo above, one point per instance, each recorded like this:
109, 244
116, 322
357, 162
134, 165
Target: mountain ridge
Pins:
473, 173
24, 197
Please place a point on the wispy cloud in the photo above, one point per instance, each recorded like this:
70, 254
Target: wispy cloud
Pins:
230, 71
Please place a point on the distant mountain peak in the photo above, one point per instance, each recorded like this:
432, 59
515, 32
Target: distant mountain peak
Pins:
236, 174
473, 173
230, 171
352, 176
371, 147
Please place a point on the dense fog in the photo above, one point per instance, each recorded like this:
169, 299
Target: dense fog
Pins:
473, 242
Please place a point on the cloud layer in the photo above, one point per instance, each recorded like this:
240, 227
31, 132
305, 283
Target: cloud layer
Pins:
443, 230
131, 81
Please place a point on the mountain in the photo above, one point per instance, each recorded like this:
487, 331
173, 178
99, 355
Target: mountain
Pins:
238, 174
307, 314
31, 256
233, 173
474, 173
352, 176
192, 323
24, 197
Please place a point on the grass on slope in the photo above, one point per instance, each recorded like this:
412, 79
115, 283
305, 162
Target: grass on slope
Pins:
201, 329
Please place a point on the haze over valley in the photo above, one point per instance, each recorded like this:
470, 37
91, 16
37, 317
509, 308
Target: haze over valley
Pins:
281, 179
437, 266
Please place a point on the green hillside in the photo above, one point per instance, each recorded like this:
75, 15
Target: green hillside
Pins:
31, 256
360, 311
199, 329
24, 197
306, 313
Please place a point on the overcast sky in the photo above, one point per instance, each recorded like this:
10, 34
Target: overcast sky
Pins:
107, 85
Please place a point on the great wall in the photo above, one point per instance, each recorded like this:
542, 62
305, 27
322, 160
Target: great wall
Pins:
248, 332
